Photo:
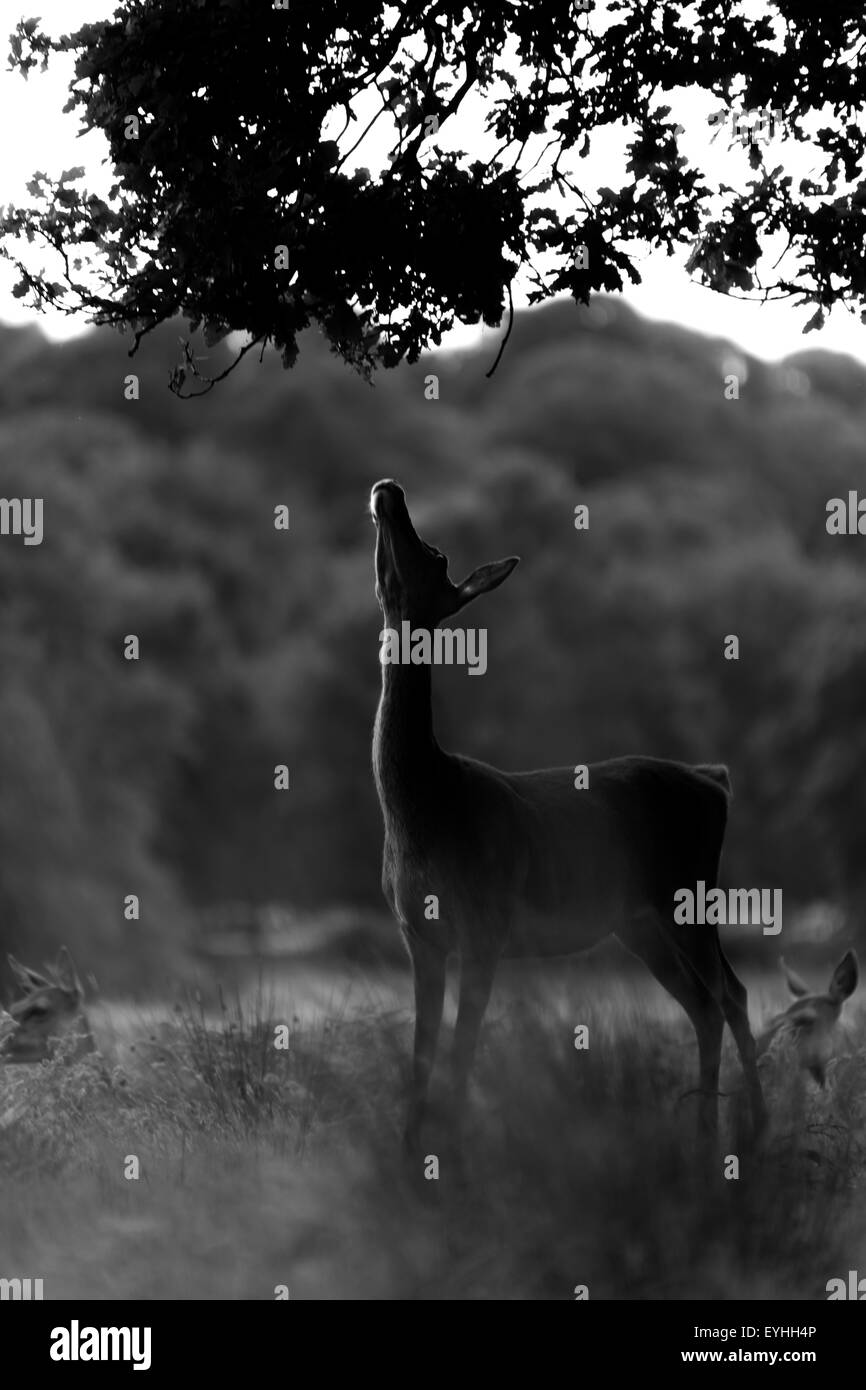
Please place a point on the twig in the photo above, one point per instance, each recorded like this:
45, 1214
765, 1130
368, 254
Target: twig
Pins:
212, 381
504, 343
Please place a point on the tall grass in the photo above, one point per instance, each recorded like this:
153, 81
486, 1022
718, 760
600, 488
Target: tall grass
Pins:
261, 1167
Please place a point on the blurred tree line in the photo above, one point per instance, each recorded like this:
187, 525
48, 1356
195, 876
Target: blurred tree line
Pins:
258, 647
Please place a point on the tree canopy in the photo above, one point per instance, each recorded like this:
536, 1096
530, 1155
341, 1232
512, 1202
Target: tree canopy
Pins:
232, 126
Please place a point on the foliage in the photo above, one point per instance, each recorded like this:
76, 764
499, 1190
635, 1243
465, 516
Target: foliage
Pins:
243, 147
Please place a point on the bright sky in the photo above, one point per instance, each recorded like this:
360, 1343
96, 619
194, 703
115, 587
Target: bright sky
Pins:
38, 136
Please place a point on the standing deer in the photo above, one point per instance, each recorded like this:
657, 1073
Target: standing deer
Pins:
525, 865
50, 1009
810, 1022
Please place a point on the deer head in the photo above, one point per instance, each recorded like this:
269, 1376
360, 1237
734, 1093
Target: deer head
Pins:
811, 1020
49, 1009
412, 577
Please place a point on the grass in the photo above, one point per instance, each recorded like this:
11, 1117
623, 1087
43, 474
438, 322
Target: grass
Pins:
260, 1168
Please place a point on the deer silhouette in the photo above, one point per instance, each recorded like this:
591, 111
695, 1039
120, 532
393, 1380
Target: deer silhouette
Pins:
524, 864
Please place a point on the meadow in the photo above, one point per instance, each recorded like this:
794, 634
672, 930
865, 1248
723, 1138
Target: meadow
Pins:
261, 1169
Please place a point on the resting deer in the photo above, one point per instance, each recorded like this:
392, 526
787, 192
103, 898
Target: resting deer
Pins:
525, 865
50, 1010
811, 1021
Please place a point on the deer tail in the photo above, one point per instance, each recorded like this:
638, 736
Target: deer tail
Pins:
717, 772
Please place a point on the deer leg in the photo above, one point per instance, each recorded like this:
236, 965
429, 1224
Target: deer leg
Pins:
476, 982
428, 968
735, 1008
708, 1022
708, 959
646, 938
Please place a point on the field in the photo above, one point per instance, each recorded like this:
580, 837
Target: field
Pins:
262, 1168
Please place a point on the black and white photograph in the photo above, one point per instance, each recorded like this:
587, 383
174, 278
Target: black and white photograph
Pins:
433, 666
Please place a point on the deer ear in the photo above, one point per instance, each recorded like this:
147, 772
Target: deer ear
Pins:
485, 578
26, 979
797, 986
65, 972
845, 977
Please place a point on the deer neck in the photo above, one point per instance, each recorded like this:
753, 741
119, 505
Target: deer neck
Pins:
405, 752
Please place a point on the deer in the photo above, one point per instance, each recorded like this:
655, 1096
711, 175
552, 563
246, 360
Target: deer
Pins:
523, 864
811, 1021
49, 1011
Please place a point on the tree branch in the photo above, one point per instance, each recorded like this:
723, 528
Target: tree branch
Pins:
504, 343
